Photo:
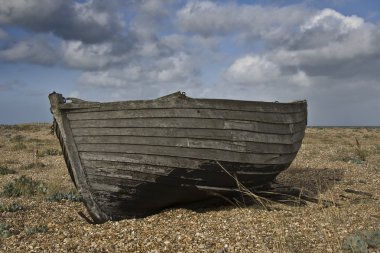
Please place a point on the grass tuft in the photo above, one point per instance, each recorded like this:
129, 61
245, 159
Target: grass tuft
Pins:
247, 192
360, 152
24, 186
19, 146
4, 170
33, 166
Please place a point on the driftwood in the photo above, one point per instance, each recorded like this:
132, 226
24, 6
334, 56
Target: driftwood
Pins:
359, 192
291, 195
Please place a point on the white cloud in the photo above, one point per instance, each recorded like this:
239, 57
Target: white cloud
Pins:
258, 72
329, 19
300, 78
254, 70
336, 46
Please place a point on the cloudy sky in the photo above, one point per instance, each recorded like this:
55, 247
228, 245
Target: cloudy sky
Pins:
327, 52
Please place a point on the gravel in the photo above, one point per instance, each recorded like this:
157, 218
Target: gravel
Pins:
321, 167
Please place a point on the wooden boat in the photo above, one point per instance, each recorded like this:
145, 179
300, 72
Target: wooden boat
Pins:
134, 158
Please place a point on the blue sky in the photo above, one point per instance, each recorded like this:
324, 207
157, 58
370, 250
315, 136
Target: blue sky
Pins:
324, 51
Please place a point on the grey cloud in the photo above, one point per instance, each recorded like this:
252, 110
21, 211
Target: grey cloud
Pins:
139, 41
171, 69
141, 79
90, 22
3, 34
35, 50
248, 22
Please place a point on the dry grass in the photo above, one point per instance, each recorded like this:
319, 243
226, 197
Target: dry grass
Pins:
329, 162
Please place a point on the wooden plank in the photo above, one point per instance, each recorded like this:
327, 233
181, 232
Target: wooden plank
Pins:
191, 113
198, 174
137, 176
180, 102
214, 134
159, 160
189, 123
189, 153
143, 168
142, 159
252, 147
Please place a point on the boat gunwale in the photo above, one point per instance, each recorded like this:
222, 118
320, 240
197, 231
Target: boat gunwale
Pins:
189, 157
171, 100
182, 95
78, 109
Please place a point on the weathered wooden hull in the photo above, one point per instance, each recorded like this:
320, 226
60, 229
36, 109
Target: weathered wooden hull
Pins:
134, 158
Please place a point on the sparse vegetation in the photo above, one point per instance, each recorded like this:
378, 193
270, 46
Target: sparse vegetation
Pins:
59, 196
361, 241
355, 154
327, 165
49, 152
19, 146
33, 165
24, 186
14, 207
18, 138
37, 229
4, 170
